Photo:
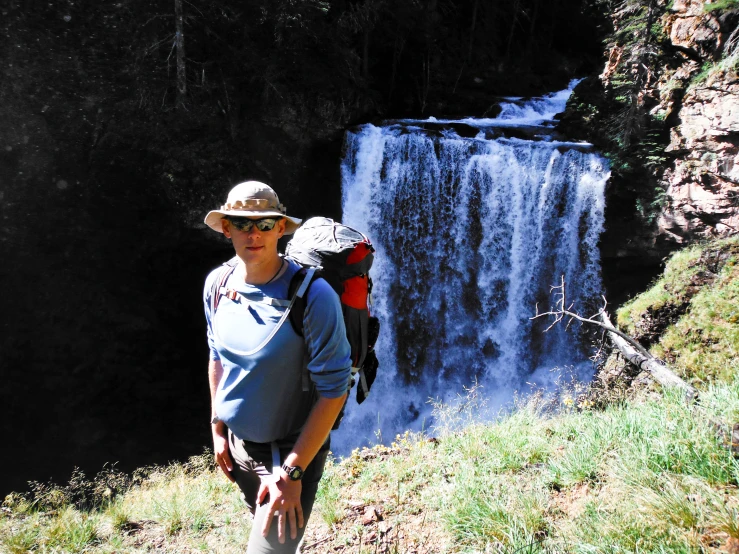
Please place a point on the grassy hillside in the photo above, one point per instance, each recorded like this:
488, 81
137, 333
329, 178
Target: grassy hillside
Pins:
640, 473
646, 475
690, 316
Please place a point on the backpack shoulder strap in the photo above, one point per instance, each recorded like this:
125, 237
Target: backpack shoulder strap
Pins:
219, 282
298, 308
299, 294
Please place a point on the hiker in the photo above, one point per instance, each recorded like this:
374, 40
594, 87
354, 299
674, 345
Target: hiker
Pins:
274, 394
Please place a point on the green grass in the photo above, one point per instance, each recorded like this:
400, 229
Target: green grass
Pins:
646, 474
328, 498
703, 344
668, 290
706, 344
183, 507
721, 5
69, 530
709, 70
630, 458
640, 472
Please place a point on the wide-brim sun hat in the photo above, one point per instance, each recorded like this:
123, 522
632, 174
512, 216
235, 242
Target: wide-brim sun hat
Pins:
251, 199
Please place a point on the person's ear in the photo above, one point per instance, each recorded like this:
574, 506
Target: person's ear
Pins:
226, 227
281, 225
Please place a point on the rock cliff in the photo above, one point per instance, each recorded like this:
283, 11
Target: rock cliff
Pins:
702, 95
665, 110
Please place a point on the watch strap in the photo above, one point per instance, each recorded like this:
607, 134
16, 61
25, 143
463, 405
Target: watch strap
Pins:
295, 473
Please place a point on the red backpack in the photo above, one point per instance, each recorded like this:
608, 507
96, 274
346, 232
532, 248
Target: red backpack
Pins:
343, 257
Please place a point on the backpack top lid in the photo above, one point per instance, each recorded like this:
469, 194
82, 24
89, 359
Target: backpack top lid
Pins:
321, 241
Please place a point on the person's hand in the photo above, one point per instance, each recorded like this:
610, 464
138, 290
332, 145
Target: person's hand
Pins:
220, 447
284, 500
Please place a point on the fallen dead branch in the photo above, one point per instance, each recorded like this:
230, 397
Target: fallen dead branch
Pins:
658, 369
639, 356
634, 352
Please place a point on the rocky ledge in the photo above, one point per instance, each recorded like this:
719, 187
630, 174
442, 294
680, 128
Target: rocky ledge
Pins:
703, 184
702, 97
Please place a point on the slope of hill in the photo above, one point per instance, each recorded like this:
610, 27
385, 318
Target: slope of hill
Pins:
584, 471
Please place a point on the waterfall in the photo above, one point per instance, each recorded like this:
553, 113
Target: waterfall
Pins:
473, 221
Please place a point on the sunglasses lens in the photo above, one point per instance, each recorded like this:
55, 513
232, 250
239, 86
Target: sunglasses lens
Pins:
265, 224
242, 224
245, 225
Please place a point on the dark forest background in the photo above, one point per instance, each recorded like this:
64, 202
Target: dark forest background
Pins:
108, 163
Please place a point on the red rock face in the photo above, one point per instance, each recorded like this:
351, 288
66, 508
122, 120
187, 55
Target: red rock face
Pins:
703, 181
691, 27
703, 184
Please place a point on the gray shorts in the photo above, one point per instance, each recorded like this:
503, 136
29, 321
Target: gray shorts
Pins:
252, 460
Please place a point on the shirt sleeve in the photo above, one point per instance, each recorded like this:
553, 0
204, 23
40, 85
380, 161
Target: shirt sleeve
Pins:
207, 296
329, 352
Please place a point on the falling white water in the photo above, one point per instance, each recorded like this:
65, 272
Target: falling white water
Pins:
471, 233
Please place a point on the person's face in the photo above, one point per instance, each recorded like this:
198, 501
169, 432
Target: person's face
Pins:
254, 246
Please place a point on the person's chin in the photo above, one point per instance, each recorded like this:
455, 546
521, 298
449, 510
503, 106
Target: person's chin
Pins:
253, 254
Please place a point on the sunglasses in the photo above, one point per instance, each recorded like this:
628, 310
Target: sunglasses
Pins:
244, 224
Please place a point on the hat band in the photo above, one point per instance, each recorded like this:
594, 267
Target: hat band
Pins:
261, 204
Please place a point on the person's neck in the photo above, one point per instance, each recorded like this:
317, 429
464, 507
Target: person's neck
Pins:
260, 274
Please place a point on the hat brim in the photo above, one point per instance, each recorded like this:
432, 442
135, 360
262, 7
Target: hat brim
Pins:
213, 219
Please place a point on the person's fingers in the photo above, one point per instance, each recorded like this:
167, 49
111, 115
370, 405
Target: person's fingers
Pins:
299, 510
292, 522
281, 526
228, 461
263, 490
224, 462
268, 520
225, 469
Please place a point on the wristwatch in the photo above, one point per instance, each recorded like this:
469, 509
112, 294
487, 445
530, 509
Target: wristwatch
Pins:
215, 420
295, 473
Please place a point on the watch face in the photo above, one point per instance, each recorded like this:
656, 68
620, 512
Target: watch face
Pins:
295, 473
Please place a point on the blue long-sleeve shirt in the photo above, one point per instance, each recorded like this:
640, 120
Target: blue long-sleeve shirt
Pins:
261, 394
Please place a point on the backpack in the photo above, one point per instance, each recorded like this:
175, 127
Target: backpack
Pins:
342, 256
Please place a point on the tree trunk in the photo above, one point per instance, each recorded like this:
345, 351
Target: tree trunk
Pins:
553, 22
472, 30
514, 22
397, 52
650, 21
532, 26
180, 45
657, 368
431, 19
365, 55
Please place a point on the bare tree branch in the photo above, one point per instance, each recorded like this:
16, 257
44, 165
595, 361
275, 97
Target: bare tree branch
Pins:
629, 347
560, 312
637, 355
